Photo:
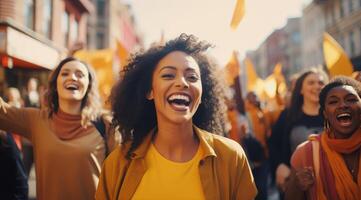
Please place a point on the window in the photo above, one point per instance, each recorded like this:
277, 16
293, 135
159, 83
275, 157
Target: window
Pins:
352, 44
341, 9
332, 11
47, 12
359, 38
65, 28
296, 37
28, 13
350, 6
100, 8
100, 41
74, 31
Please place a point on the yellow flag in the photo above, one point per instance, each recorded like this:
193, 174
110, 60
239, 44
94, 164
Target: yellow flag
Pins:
280, 78
254, 83
336, 59
102, 62
278, 69
122, 54
238, 14
232, 69
270, 86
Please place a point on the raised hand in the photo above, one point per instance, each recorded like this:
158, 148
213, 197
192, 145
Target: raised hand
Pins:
3, 105
305, 178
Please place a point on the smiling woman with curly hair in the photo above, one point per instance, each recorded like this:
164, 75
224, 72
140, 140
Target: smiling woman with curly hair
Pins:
167, 106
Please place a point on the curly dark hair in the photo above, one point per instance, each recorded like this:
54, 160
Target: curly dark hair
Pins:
336, 82
91, 104
135, 115
295, 108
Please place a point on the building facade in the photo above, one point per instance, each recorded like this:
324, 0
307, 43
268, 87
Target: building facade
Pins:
312, 29
293, 46
343, 22
113, 22
281, 46
259, 60
36, 34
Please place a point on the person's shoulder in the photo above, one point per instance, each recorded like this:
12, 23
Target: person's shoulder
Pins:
118, 155
302, 148
223, 142
106, 116
300, 155
115, 154
226, 147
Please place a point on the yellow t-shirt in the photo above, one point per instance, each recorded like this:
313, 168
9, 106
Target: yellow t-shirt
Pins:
166, 179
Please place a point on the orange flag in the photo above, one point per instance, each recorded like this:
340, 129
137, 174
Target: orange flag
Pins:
338, 63
238, 14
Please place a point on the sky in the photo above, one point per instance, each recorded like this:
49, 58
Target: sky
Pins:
209, 20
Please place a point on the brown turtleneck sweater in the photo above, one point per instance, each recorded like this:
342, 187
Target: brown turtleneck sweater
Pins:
66, 168
68, 126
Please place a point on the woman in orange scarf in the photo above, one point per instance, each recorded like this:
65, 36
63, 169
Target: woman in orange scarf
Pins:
328, 166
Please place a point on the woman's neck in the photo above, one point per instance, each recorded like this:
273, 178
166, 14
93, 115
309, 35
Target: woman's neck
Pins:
176, 142
73, 108
310, 108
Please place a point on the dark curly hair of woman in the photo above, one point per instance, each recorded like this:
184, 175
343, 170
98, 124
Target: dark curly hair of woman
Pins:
135, 115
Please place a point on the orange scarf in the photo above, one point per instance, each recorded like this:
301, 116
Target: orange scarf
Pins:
346, 188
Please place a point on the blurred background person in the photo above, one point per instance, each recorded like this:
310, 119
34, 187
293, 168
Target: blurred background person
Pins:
32, 99
14, 99
260, 129
13, 179
327, 166
296, 122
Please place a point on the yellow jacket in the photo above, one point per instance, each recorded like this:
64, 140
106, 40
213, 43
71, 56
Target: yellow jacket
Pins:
224, 170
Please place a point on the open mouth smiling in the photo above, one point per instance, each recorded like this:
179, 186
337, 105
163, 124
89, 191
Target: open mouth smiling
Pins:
344, 118
179, 100
72, 87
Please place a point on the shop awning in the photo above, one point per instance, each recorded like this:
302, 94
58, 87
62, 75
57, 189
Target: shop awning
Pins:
26, 49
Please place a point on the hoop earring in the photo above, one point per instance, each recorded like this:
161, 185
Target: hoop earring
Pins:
326, 126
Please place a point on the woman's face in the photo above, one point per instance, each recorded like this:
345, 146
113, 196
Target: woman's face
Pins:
343, 110
176, 88
311, 87
72, 81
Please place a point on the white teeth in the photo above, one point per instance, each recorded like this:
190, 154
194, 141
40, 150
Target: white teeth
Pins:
72, 86
344, 115
179, 96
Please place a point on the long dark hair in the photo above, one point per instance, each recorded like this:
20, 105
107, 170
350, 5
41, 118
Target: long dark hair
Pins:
295, 109
90, 105
135, 114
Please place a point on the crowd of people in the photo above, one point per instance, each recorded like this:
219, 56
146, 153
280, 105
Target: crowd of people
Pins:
166, 134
